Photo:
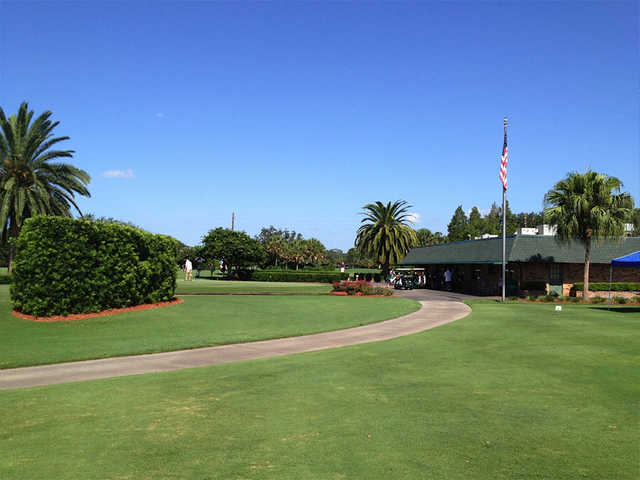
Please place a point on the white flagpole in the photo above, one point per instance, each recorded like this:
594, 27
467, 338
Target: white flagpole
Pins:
504, 230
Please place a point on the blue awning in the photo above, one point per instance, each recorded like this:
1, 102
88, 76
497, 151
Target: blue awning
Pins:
631, 260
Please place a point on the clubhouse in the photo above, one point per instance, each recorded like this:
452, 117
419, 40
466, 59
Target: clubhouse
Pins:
534, 263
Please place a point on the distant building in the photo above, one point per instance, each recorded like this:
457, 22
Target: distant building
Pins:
539, 261
545, 230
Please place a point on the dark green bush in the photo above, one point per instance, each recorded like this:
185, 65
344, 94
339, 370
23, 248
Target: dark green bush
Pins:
604, 286
533, 298
67, 266
620, 300
293, 276
575, 299
549, 298
597, 299
635, 299
5, 279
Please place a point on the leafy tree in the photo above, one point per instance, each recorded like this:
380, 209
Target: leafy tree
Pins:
636, 222
385, 232
315, 251
279, 244
268, 234
236, 249
588, 206
184, 252
476, 223
275, 248
424, 236
512, 221
438, 237
458, 225
493, 220
529, 219
298, 252
92, 218
29, 183
334, 256
356, 258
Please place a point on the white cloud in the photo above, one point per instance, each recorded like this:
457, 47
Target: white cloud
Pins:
128, 173
414, 217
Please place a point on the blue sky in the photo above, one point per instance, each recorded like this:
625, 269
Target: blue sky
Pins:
297, 114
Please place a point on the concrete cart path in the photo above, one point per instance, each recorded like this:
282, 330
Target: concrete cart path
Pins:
432, 314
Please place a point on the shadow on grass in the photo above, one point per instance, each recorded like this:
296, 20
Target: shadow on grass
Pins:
618, 309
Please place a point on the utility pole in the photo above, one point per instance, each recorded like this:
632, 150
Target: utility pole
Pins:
233, 220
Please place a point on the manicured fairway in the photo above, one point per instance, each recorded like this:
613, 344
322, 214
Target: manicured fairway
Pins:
510, 392
227, 286
199, 321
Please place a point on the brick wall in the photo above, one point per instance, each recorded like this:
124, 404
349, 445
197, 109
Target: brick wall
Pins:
605, 294
574, 272
538, 272
598, 272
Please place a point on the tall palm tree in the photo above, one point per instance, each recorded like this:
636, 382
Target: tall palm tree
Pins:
588, 206
29, 183
386, 233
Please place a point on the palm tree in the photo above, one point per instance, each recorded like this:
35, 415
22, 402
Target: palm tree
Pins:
588, 206
386, 233
29, 184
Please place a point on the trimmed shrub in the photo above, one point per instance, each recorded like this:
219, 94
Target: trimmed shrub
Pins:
65, 266
575, 299
361, 287
533, 298
635, 299
620, 300
604, 286
5, 279
549, 298
598, 300
291, 276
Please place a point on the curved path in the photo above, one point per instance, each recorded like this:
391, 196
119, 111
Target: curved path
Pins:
432, 314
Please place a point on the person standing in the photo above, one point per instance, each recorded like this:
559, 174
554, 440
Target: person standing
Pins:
448, 276
188, 269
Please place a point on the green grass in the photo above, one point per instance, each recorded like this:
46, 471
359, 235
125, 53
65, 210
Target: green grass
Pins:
232, 286
510, 392
198, 322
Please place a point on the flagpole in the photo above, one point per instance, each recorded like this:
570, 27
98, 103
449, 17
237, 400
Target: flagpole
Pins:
504, 228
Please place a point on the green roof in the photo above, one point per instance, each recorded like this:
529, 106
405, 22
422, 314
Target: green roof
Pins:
520, 248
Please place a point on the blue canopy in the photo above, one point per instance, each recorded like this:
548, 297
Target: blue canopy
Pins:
631, 260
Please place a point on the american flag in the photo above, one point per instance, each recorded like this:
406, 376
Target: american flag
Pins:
504, 159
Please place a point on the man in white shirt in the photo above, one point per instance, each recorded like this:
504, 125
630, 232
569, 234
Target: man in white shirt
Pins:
188, 268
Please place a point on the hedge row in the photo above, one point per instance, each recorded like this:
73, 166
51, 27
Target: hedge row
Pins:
5, 279
283, 276
604, 286
65, 266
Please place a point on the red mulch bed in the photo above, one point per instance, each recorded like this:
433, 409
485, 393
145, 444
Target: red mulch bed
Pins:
345, 294
104, 313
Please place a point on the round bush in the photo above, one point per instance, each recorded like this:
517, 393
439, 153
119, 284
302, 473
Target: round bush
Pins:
65, 266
